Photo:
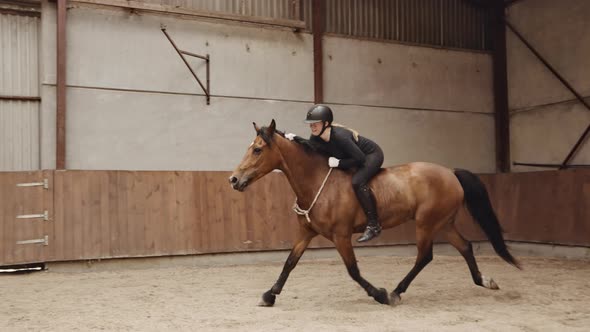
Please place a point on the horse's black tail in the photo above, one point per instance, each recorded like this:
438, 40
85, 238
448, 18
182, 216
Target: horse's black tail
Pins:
480, 207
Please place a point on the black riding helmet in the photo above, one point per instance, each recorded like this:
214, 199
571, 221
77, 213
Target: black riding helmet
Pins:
320, 113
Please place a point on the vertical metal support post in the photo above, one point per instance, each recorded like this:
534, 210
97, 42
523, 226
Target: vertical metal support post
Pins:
318, 22
208, 84
501, 110
60, 142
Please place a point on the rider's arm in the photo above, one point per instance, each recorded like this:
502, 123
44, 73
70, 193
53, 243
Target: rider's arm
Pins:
348, 145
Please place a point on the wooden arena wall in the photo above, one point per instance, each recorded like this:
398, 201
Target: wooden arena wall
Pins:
109, 214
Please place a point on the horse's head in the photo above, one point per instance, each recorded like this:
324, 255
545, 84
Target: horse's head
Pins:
260, 159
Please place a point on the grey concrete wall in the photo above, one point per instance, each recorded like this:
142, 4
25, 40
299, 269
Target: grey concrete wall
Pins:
132, 104
418, 103
546, 120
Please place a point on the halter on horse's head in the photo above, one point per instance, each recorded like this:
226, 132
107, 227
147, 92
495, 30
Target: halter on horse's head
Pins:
260, 159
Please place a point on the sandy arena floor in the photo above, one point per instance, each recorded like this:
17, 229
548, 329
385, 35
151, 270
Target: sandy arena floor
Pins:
548, 295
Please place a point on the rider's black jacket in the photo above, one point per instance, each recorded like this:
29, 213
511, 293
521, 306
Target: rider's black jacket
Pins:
344, 146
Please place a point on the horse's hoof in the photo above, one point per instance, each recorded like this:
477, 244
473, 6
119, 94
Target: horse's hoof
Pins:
381, 296
268, 299
489, 283
394, 299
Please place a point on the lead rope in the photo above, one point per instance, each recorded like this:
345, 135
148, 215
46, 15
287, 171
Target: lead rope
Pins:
305, 213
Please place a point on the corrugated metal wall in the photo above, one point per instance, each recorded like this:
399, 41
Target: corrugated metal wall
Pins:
281, 9
444, 23
19, 76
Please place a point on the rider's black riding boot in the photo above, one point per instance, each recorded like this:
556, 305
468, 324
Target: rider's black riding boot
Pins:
367, 201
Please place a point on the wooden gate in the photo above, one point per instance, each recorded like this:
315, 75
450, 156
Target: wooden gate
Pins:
26, 217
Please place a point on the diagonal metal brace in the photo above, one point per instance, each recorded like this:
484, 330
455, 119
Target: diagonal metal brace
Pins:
182, 53
581, 99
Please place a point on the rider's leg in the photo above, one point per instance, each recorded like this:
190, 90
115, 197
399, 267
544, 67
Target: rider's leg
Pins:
366, 197
367, 201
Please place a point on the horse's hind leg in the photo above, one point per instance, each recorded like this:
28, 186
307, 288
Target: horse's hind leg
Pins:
344, 247
424, 244
466, 250
305, 236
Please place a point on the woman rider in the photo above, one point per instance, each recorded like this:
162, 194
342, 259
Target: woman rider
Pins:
348, 150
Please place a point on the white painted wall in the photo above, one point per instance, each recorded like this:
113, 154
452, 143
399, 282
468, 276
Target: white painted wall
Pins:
546, 120
132, 104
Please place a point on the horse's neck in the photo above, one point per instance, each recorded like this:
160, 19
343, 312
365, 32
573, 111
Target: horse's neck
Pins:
305, 171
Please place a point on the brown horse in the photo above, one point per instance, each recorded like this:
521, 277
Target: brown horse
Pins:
427, 193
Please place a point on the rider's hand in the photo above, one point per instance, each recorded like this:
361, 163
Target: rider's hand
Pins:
333, 162
290, 136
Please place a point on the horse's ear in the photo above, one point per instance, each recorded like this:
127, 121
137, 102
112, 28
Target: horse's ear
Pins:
256, 127
271, 129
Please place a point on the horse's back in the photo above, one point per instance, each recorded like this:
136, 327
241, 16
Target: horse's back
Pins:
418, 185
417, 176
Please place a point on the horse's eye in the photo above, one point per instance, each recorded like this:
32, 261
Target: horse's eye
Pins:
257, 150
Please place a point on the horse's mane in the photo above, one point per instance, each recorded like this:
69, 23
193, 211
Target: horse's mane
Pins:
308, 145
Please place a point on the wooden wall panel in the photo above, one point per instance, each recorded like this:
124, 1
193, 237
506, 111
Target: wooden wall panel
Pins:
549, 207
31, 200
544, 207
108, 214
7, 217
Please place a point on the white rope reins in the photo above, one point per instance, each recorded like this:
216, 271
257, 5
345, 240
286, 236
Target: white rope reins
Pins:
305, 213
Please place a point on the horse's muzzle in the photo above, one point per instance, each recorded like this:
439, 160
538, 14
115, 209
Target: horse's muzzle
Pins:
236, 184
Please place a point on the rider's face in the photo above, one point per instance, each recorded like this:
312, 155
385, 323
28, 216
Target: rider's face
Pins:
316, 128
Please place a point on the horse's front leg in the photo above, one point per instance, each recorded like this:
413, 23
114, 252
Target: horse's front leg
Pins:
305, 236
344, 247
